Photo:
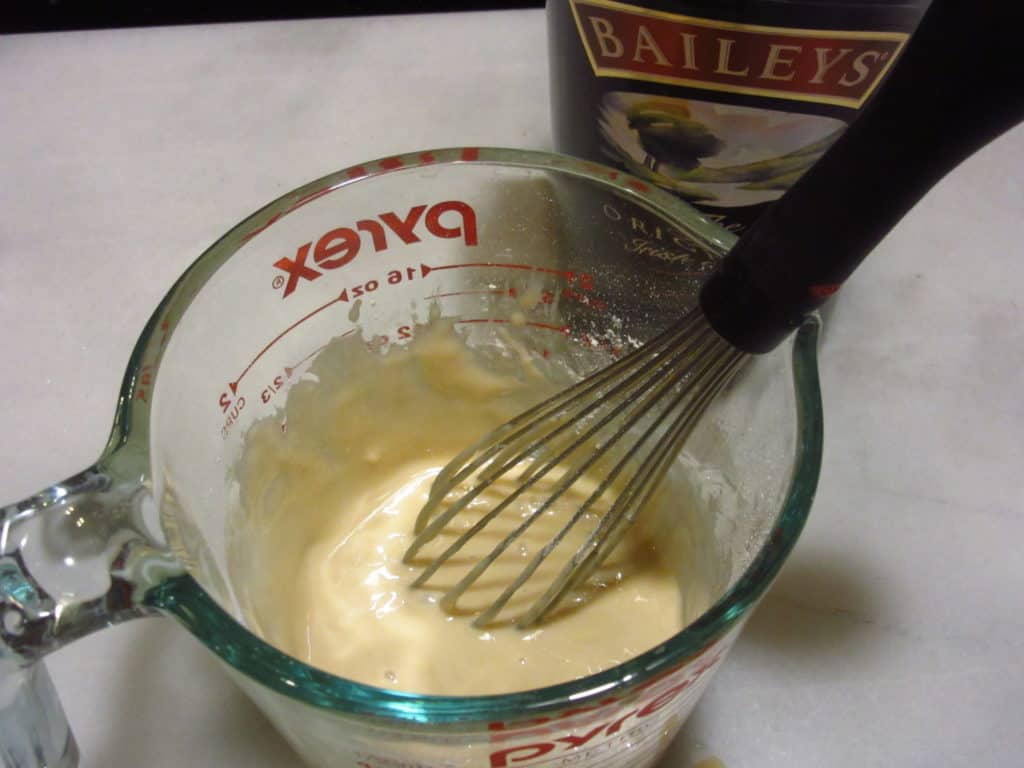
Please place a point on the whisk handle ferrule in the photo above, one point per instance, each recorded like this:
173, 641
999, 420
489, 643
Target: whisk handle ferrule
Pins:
955, 88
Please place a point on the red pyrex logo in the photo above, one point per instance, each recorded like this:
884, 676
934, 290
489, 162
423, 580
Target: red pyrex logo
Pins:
553, 743
337, 247
826, 66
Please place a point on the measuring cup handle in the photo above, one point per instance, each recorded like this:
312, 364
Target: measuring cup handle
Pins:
76, 557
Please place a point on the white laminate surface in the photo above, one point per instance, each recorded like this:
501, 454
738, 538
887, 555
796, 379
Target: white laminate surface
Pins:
894, 634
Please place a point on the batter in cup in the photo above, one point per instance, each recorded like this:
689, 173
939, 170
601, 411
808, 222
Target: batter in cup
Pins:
328, 494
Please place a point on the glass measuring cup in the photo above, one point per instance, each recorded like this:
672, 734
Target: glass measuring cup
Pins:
578, 260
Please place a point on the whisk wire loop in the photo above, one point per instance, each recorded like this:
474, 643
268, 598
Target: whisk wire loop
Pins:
555, 592
613, 525
476, 455
487, 480
634, 414
638, 409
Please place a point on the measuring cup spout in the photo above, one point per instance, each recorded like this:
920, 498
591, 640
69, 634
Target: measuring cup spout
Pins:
74, 558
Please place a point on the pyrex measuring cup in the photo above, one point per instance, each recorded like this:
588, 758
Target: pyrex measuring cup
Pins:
579, 261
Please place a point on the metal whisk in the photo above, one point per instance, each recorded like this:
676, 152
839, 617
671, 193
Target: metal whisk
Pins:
636, 401
635, 414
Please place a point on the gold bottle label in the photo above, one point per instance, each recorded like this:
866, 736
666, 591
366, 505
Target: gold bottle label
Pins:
824, 66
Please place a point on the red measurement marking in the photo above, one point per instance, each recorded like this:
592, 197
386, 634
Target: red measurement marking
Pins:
290, 370
590, 342
144, 381
251, 235
310, 198
428, 157
277, 216
495, 292
823, 291
391, 163
639, 186
563, 329
234, 384
470, 153
357, 172
165, 333
600, 170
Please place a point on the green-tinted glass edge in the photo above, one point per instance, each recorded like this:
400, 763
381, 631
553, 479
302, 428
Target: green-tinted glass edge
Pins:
184, 599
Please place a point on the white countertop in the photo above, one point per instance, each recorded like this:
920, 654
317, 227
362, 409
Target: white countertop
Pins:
894, 635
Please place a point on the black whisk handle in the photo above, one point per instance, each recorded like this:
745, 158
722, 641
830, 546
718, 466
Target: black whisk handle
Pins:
958, 84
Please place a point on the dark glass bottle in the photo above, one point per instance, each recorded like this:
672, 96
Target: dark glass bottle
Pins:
722, 102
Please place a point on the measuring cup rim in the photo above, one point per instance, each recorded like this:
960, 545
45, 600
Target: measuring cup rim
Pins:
183, 597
